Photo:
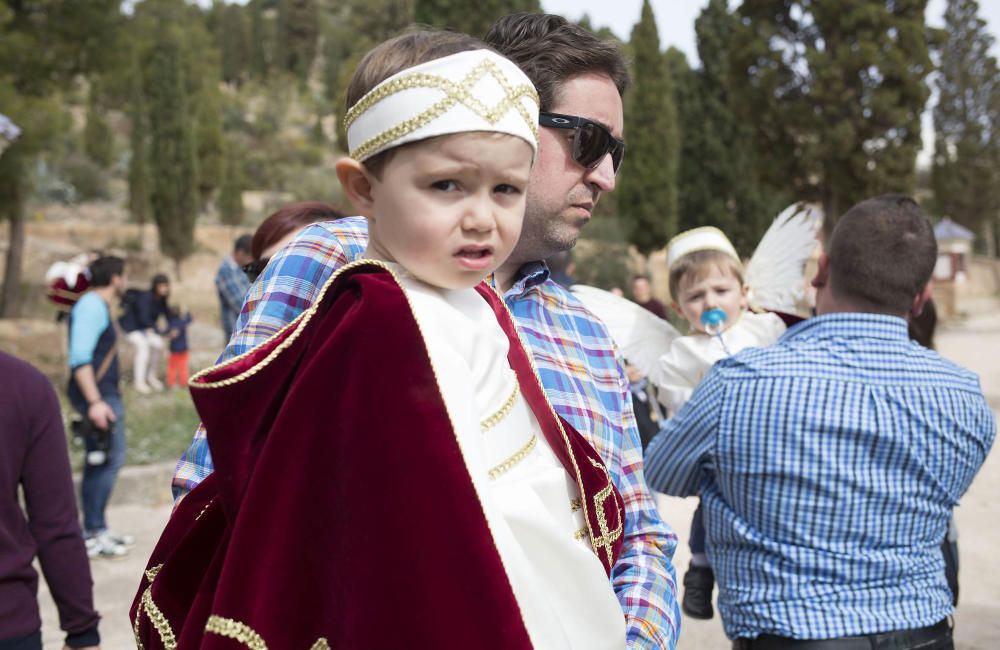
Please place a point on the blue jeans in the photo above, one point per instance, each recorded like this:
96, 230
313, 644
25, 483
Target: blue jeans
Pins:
99, 480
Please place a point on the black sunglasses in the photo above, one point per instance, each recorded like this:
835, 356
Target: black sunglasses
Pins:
255, 268
591, 142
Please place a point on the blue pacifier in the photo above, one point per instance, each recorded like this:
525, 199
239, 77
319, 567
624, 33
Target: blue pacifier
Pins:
713, 320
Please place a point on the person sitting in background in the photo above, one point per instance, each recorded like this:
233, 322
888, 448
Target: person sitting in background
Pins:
178, 320
281, 227
232, 284
642, 294
142, 310
35, 459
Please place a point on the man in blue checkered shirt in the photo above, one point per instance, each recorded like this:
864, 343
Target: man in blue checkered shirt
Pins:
829, 463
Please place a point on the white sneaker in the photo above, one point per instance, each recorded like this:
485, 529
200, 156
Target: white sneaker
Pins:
122, 539
142, 388
102, 546
154, 383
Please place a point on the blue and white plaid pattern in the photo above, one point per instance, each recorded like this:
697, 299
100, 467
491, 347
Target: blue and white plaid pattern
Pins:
828, 465
578, 367
232, 284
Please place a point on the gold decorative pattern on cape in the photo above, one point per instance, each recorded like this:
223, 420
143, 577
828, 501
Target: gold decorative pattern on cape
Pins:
608, 536
502, 412
231, 629
555, 417
156, 617
575, 504
580, 534
454, 93
516, 458
321, 644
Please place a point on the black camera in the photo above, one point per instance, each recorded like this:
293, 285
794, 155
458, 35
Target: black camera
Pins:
96, 441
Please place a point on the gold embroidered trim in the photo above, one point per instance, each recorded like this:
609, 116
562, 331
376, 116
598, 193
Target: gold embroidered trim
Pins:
321, 644
231, 629
575, 505
159, 621
153, 572
205, 509
555, 417
455, 93
295, 327
608, 537
580, 534
502, 412
518, 456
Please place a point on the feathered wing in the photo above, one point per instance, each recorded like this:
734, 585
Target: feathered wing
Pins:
776, 272
641, 336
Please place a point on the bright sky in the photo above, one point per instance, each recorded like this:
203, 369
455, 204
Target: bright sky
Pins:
675, 24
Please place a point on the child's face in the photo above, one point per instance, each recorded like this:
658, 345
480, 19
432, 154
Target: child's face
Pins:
449, 209
718, 288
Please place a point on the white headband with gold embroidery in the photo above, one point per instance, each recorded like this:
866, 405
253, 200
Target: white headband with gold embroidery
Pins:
706, 238
477, 90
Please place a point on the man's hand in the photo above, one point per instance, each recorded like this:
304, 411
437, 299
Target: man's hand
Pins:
101, 414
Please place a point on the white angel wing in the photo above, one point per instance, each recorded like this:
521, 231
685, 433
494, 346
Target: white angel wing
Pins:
776, 272
642, 336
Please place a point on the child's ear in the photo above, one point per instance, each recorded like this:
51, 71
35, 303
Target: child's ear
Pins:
357, 185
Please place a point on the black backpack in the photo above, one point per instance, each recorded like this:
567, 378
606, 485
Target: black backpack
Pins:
129, 320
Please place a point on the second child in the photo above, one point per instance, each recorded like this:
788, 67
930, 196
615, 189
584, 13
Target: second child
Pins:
178, 319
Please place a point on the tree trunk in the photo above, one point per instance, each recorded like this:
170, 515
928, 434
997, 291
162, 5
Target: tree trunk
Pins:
10, 299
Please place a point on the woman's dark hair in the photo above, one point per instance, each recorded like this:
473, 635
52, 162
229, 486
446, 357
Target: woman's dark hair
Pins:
159, 278
290, 218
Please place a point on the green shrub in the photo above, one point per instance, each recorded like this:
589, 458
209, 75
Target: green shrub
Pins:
89, 180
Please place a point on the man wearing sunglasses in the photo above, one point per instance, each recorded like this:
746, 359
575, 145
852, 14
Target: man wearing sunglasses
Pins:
580, 81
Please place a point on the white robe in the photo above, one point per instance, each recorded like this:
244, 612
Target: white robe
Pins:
565, 596
683, 367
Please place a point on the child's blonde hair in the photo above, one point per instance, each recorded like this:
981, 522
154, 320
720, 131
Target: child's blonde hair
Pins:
395, 55
697, 264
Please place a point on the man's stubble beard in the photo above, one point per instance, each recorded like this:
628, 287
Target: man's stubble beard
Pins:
545, 232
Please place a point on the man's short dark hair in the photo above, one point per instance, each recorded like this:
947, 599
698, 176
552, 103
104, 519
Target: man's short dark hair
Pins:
882, 253
104, 268
551, 50
243, 243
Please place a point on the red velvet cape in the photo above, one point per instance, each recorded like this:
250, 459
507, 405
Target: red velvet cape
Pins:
340, 513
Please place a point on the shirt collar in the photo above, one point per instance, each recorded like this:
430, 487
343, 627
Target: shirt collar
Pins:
530, 275
843, 324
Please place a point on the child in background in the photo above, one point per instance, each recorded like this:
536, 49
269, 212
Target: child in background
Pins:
494, 521
178, 320
707, 290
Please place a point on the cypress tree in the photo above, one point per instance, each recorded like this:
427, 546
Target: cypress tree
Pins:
965, 174
457, 16
258, 41
647, 198
718, 183
172, 149
234, 44
209, 140
230, 201
98, 141
138, 167
835, 91
298, 34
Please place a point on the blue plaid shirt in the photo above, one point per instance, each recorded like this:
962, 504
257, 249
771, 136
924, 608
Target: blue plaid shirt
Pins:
231, 283
578, 367
828, 466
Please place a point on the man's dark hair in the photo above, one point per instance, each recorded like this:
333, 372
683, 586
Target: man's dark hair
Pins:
243, 243
103, 268
551, 50
882, 253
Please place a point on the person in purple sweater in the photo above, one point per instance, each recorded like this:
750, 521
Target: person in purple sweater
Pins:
33, 455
